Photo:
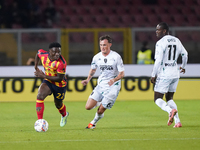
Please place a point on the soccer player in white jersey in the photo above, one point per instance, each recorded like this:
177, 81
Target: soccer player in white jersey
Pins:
165, 72
109, 81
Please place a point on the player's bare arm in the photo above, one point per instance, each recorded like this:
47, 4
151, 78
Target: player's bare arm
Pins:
91, 73
120, 76
153, 80
36, 62
40, 74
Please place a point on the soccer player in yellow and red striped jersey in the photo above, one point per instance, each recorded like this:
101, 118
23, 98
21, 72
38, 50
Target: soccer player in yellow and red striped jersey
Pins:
54, 80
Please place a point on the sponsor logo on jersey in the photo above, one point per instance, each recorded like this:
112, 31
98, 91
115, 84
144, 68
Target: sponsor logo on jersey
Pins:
106, 67
171, 40
170, 64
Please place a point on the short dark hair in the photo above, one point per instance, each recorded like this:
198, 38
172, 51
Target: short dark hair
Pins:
107, 37
164, 26
54, 44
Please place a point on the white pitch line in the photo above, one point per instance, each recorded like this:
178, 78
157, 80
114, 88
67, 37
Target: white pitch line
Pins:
96, 140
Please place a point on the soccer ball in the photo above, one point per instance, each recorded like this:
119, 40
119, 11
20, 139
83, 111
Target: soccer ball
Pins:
41, 125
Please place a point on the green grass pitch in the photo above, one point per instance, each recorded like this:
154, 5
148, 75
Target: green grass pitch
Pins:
129, 125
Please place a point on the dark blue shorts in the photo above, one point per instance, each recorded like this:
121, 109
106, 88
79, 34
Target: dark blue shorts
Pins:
58, 92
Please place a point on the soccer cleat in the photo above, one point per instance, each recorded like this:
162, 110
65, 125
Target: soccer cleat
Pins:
91, 126
177, 125
171, 116
63, 120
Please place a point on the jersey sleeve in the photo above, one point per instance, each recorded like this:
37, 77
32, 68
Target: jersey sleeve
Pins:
158, 59
61, 68
94, 64
184, 55
120, 65
41, 52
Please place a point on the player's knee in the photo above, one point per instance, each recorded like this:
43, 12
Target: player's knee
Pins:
158, 95
87, 107
169, 96
40, 96
90, 104
58, 105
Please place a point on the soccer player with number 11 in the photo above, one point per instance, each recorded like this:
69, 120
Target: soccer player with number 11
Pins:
165, 72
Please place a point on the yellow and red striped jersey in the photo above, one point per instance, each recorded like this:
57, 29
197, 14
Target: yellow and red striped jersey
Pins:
52, 68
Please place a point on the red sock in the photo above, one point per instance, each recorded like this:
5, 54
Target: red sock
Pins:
40, 108
62, 110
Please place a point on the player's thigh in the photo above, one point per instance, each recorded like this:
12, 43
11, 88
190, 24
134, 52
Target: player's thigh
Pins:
43, 91
173, 85
162, 85
90, 103
158, 95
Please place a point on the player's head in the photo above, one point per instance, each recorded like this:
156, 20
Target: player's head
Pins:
107, 37
54, 51
162, 29
54, 44
105, 43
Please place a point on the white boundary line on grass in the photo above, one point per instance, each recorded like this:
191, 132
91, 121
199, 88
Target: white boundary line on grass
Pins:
104, 140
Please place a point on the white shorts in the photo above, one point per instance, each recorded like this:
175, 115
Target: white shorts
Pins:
107, 96
166, 85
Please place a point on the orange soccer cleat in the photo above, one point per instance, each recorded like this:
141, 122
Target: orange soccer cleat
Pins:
177, 125
91, 126
171, 116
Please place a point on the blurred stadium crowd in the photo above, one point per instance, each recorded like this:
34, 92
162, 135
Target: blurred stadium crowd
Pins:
48, 14
97, 13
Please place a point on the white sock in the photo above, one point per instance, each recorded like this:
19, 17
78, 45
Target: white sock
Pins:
173, 105
97, 118
163, 105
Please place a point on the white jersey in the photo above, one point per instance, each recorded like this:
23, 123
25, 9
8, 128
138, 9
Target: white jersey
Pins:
109, 66
167, 51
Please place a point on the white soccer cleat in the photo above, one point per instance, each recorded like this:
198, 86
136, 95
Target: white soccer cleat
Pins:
63, 120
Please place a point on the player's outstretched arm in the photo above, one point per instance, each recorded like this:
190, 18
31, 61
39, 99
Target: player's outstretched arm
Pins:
90, 75
120, 76
36, 62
